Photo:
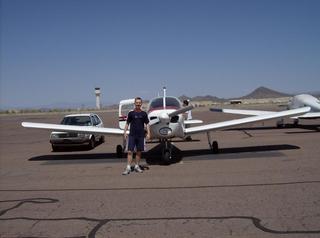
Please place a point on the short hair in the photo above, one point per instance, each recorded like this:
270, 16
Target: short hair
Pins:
138, 98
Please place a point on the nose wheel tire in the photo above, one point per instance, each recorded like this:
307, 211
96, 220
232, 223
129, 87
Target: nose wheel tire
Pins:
166, 157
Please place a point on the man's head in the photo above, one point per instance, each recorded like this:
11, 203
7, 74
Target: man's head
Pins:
138, 103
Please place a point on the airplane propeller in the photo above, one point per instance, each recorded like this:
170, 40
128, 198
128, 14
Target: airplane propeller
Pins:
165, 117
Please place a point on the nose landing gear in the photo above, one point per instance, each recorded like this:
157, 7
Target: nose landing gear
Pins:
166, 151
214, 147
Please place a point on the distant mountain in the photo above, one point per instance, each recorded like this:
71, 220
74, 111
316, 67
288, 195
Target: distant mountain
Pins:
207, 98
202, 98
263, 92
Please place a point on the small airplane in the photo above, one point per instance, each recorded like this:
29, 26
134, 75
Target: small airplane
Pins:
167, 121
298, 101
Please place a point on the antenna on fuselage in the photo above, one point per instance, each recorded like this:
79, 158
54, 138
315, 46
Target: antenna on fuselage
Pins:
164, 97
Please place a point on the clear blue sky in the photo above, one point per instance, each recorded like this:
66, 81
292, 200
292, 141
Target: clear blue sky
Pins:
58, 51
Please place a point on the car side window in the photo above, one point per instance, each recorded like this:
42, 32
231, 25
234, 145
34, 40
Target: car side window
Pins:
97, 119
93, 119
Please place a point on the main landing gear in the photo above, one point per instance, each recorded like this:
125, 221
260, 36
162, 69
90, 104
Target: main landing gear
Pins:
121, 148
213, 145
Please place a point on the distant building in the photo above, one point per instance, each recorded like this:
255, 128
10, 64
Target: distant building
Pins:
98, 93
235, 101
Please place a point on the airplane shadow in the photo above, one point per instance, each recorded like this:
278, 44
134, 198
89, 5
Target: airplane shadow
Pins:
77, 148
78, 157
174, 141
153, 156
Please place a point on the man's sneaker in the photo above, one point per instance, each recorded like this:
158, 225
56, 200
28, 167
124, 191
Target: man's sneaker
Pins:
137, 169
127, 171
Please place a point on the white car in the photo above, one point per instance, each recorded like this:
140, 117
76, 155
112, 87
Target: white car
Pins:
63, 139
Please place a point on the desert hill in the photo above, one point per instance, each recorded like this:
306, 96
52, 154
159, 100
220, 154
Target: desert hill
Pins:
263, 92
259, 93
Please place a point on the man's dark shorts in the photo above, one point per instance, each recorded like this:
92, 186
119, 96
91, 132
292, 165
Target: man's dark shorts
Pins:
135, 143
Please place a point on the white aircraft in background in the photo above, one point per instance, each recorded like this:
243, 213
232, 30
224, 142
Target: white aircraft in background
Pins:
298, 101
167, 121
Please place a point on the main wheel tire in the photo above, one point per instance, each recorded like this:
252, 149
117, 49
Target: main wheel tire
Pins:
119, 151
215, 147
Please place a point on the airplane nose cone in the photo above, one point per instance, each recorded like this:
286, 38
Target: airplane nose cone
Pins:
164, 117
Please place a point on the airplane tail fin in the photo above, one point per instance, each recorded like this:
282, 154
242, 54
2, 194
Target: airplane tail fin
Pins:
124, 107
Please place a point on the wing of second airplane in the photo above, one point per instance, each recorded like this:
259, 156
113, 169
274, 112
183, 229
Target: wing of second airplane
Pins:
236, 122
67, 128
241, 111
309, 115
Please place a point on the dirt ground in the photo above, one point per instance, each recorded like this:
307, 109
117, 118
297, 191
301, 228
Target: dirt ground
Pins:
265, 182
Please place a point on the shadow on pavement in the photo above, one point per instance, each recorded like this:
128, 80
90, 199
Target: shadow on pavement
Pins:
153, 156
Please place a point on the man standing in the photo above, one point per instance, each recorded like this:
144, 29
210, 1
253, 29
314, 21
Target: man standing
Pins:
138, 120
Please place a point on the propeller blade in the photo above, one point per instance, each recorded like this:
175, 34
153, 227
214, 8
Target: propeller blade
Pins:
182, 110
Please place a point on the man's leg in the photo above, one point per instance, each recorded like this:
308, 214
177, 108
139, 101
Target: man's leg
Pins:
128, 167
138, 157
137, 167
129, 156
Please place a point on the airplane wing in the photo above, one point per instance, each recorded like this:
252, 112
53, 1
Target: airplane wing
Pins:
80, 129
191, 122
236, 122
309, 115
241, 112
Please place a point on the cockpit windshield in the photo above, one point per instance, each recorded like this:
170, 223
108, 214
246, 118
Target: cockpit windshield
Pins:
171, 103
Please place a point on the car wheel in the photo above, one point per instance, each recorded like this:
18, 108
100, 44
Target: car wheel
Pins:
102, 140
92, 143
54, 148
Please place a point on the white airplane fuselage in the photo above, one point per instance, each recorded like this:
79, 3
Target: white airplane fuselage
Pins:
303, 100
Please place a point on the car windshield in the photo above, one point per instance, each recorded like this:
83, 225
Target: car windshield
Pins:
77, 121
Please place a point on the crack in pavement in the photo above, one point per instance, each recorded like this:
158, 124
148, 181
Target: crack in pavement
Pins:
102, 222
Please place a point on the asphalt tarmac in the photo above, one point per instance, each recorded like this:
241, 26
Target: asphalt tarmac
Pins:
265, 182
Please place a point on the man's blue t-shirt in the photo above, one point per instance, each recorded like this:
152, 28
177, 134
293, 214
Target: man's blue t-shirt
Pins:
136, 120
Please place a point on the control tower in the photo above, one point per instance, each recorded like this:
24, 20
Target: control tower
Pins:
98, 93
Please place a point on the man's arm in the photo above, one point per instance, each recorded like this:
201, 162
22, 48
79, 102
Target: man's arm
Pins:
125, 130
148, 132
